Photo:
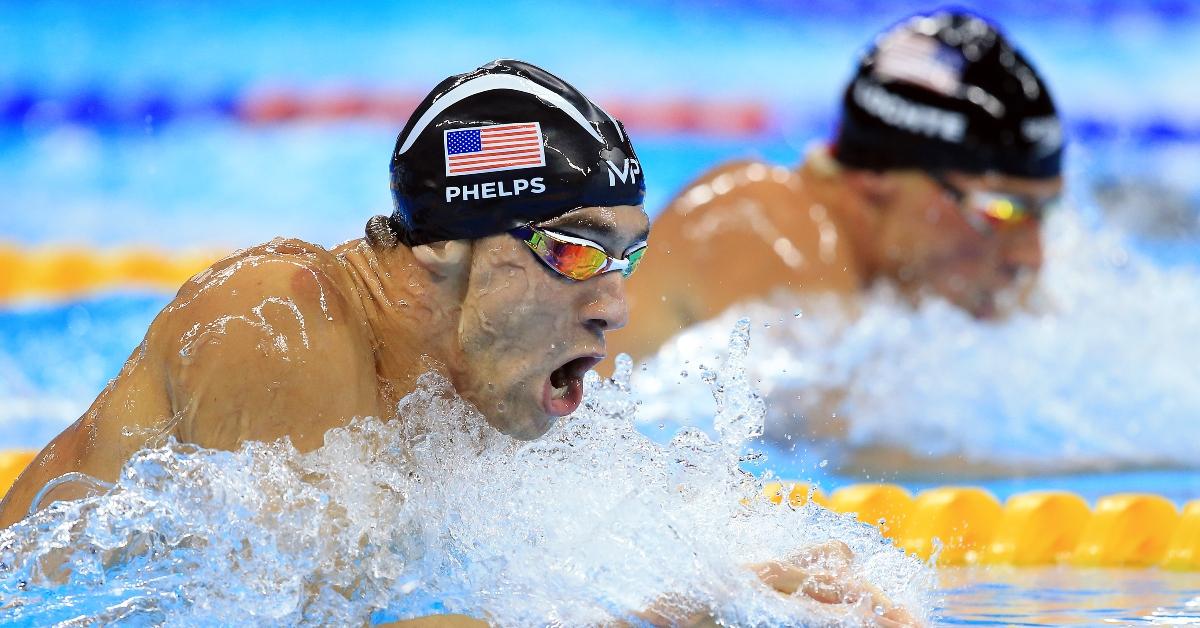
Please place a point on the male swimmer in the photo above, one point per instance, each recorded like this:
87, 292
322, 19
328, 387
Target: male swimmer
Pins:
502, 267
947, 155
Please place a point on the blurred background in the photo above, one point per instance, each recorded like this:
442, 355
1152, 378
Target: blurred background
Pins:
192, 128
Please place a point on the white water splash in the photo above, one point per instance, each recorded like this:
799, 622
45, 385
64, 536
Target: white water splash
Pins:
435, 511
1102, 373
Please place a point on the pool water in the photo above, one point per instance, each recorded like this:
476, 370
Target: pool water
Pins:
125, 125
1067, 597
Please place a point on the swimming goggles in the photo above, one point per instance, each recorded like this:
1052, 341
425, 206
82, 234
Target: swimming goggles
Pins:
576, 258
991, 211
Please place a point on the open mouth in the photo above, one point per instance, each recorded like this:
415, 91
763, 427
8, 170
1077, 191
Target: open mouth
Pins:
563, 391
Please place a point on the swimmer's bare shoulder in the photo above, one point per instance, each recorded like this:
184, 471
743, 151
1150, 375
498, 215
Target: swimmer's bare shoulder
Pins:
268, 342
273, 343
741, 231
753, 216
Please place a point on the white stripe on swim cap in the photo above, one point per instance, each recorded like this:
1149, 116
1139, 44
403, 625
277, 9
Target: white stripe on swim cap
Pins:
620, 134
488, 83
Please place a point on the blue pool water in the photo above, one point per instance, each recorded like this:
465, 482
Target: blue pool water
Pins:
1068, 597
191, 175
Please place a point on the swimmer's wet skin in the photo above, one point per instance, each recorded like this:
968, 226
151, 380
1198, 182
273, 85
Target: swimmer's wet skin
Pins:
948, 152
289, 340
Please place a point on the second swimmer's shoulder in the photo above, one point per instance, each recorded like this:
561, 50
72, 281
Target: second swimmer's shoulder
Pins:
735, 178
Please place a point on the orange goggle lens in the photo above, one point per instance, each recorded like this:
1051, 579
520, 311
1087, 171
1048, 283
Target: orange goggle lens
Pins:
997, 209
576, 260
989, 211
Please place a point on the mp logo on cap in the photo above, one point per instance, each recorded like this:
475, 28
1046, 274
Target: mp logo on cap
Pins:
627, 173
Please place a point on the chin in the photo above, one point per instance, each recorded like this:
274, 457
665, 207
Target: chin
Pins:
530, 429
981, 307
520, 419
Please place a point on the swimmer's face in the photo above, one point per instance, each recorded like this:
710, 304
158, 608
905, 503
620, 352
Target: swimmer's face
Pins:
527, 334
929, 241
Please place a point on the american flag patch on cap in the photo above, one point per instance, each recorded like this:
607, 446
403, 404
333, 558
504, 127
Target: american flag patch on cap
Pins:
495, 147
920, 60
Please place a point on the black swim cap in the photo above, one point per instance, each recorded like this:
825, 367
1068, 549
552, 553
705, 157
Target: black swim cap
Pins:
947, 91
502, 146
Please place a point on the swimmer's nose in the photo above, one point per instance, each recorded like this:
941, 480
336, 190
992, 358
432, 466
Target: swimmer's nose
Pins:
607, 308
1022, 249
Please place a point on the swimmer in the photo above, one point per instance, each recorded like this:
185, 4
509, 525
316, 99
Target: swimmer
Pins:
947, 156
518, 217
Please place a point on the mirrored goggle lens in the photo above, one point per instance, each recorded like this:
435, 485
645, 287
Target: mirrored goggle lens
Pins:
576, 261
634, 259
999, 210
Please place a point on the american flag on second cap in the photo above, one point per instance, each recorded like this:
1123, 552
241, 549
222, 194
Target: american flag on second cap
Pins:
480, 149
922, 60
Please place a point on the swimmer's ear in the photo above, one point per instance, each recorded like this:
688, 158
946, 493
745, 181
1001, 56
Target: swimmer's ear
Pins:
380, 234
450, 259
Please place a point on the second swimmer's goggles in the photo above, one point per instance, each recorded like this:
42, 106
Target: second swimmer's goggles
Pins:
992, 210
574, 257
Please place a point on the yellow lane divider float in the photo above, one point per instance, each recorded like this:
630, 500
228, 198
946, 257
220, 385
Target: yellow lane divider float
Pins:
66, 272
1036, 528
12, 463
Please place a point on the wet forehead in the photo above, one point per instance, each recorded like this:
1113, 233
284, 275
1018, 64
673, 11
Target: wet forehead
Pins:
617, 228
1040, 190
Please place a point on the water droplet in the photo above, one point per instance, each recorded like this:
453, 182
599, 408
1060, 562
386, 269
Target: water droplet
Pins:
824, 463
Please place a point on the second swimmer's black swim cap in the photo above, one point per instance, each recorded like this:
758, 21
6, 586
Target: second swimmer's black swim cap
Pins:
947, 91
502, 146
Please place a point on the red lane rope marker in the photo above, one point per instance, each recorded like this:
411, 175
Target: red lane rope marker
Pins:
660, 116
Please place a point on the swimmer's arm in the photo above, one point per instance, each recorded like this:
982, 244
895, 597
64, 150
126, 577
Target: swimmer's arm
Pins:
131, 409
272, 347
50, 463
818, 575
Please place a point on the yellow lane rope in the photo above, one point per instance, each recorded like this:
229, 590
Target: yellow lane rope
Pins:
1034, 528
62, 272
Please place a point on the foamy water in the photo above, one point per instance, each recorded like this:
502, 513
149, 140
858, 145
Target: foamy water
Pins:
1101, 372
436, 511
